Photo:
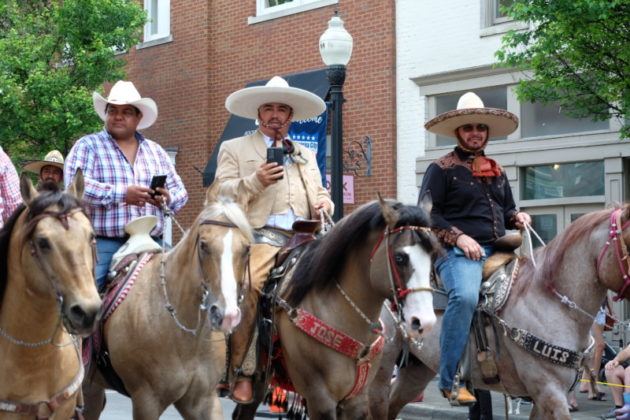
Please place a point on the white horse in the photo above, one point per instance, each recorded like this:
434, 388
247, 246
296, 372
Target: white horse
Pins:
543, 331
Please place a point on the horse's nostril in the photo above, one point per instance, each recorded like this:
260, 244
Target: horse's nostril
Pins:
416, 325
216, 315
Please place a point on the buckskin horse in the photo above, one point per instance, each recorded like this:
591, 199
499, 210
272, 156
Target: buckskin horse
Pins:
327, 316
542, 331
166, 340
48, 299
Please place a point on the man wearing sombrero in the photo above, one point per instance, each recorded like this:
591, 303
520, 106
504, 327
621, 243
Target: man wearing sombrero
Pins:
472, 207
118, 164
277, 195
50, 169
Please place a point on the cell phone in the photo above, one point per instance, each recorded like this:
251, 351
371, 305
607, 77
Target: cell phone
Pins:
275, 154
158, 181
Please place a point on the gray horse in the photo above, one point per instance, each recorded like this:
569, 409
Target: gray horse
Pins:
543, 328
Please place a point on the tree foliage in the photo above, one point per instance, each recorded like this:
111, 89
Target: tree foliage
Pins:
53, 55
578, 52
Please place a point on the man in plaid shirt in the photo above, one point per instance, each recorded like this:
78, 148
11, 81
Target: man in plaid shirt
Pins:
118, 164
10, 197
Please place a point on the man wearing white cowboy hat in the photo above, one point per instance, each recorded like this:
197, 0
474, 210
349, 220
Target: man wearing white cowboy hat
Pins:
50, 169
118, 164
472, 207
277, 194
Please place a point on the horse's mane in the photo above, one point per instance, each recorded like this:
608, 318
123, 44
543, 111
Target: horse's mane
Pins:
550, 259
323, 260
49, 195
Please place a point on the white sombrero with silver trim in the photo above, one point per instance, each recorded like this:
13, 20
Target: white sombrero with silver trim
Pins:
53, 158
245, 102
471, 110
125, 93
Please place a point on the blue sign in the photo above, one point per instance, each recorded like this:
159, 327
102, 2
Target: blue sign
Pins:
311, 134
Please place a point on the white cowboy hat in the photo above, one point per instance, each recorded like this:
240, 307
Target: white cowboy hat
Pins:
53, 158
470, 110
125, 93
245, 102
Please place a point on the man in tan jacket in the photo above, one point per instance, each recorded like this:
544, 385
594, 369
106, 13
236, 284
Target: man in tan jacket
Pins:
277, 194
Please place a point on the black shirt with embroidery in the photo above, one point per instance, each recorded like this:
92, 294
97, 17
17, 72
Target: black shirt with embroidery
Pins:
480, 207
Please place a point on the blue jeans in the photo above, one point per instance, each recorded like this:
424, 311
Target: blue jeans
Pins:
462, 280
105, 250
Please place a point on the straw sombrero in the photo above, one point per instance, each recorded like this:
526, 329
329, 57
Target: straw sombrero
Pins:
470, 110
53, 158
245, 102
125, 93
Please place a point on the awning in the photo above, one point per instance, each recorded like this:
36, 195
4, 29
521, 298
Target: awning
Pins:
314, 81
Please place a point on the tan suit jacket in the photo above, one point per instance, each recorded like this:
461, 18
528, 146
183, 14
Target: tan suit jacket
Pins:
300, 188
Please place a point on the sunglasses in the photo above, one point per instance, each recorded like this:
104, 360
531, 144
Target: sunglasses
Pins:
469, 127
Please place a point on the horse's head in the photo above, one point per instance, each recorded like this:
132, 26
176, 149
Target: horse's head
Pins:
613, 264
404, 255
224, 237
58, 254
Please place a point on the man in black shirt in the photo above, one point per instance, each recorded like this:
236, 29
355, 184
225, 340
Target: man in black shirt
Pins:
472, 207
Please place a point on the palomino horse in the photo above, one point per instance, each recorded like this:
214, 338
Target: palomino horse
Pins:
47, 297
327, 320
164, 340
542, 331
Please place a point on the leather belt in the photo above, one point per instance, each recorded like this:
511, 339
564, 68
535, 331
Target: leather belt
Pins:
272, 236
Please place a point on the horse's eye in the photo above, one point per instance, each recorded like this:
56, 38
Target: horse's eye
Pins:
205, 248
401, 258
43, 244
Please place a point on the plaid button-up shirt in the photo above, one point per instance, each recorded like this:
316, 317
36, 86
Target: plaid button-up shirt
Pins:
10, 197
107, 175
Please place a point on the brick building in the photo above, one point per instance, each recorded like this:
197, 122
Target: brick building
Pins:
195, 54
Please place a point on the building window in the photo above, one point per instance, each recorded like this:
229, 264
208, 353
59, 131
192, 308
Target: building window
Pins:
495, 97
539, 120
271, 9
159, 19
560, 180
497, 15
492, 15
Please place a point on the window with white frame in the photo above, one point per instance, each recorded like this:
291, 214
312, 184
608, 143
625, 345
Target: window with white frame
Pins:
277, 8
159, 19
492, 13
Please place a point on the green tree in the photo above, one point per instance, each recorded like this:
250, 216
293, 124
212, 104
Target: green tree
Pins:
578, 52
53, 55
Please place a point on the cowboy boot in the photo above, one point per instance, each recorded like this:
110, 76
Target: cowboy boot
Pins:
624, 412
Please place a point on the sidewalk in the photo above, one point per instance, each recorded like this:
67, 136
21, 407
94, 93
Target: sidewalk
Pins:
436, 407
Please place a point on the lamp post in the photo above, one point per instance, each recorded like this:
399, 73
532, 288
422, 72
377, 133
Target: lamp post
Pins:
335, 47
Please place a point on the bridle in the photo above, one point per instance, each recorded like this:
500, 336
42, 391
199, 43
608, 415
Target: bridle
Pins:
400, 292
207, 295
30, 227
615, 237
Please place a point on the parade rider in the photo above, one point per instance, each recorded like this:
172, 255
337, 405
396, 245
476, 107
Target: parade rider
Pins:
118, 164
277, 195
472, 207
50, 169
10, 197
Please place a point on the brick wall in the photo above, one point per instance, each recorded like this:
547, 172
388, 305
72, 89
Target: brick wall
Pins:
215, 52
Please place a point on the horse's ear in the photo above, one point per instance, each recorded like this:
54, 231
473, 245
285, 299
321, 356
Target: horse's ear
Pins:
77, 187
390, 215
26, 189
212, 194
426, 202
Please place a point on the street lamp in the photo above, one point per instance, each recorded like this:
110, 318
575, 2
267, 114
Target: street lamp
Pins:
335, 47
